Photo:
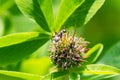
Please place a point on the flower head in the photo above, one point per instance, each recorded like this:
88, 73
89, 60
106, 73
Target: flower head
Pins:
67, 50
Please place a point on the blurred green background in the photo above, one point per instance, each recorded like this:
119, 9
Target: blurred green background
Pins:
104, 28
105, 25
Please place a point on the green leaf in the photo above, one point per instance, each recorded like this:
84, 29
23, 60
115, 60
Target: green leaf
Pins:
60, 75
16, 47
112, 56
99, 72
101, 69
94, 53
114, 77
46, 6
50, 76
76, 12
46, 77
5, 5
39, 10
100, 77
68, 6
12, 75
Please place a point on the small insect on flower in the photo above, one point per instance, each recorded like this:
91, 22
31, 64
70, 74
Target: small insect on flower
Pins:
59, 35
67, 50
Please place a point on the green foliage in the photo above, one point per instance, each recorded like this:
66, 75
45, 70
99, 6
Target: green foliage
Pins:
92, 54
77, 12
12, 75
40, 11
99, 72
68, 10
15, 47
101, 69
18, 46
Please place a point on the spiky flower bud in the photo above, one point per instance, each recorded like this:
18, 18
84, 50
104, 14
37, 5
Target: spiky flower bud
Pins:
67, 51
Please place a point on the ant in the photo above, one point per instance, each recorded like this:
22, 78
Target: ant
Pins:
59, 35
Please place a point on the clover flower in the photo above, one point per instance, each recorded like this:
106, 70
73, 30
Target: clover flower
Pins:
67, 51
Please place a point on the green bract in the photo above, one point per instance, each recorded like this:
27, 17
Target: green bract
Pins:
16, 47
